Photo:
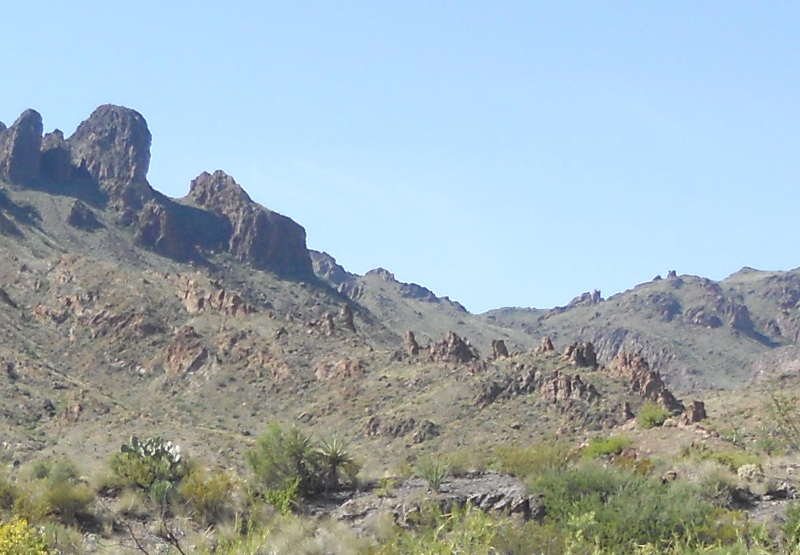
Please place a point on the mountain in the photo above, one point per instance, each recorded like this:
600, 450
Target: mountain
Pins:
206, 317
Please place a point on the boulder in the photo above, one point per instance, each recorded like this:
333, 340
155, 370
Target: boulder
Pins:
488, 491
695, 412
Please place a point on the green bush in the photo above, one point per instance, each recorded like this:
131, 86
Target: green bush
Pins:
208, 495
285, 455
526, 462
652, 415
53, 488
603, 447
619, 510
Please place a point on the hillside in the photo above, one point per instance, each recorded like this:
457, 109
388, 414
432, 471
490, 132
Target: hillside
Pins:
205, 318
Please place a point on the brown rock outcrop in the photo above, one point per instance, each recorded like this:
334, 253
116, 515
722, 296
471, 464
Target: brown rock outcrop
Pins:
20, 148
581, 355
158, 230
263, 238
546, 346
346, 316
113, 146
453, 349
345, 369
186, 353
412, 347
82, 217
499, 349
554, 387
695, 412
644, 381
197, 298
381, 425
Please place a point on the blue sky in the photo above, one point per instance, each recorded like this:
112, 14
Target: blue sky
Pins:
501, 153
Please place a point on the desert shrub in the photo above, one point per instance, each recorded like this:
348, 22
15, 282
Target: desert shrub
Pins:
434, 470
208, 495
652, 415
615, 509
17, 537
525, 462
284, 455
53, 488
605, 446
734, 459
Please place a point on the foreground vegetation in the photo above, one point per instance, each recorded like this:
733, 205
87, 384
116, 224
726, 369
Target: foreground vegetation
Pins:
596, 500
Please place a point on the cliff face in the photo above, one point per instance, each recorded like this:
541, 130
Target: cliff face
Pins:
109, 155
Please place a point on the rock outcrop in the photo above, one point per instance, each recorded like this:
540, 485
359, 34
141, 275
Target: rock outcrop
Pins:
644, 381
81, 217
499, 349
488, 491
581, 355
552, 387
113, 147
453, 349
263, 238
20, 149
412, 347
695, 412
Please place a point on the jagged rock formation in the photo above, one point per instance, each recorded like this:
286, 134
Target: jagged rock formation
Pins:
346, 316
499, 349
113, 147
197, 298
552, 387
453, 349
255, 235
581, 355
412, 347
644, 381
82, 217
484, 490
546, 346
20, 148
695, 412
107, 158
382, 425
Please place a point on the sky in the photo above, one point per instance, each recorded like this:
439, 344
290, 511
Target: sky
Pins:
501, 153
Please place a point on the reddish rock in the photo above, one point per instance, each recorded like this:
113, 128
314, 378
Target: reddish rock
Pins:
695, 412
113, 147
644, 381
546, 346
581, 355
499, 349
255, 235
412, 347
453, 349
